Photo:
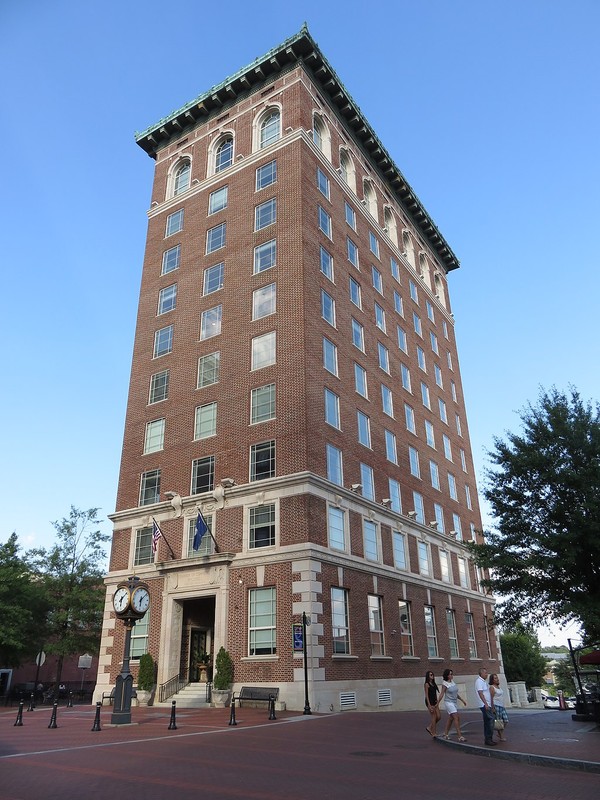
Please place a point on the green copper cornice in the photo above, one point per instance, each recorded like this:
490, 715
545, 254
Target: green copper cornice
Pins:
300, 48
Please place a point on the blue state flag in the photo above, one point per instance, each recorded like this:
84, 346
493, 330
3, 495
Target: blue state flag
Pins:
201, 528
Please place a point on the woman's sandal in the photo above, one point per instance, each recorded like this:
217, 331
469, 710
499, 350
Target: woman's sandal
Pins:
461, 739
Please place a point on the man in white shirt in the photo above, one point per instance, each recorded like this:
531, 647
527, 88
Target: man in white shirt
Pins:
482, 688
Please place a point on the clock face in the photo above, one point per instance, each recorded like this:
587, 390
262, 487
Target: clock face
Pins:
140, 600
121, 599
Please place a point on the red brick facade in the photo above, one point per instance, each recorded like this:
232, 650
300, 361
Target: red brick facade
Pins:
301, 565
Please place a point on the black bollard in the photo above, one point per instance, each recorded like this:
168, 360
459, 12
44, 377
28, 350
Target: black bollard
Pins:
96, 726
53, 717
172, 723
232, 712
70, 700
272, 707
31, 706
19, 720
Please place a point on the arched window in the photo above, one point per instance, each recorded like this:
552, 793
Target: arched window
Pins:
347, 169
224, 154
389, 220
321, 135
181, 178
270, 128
424, 269
409, 249
370, 198
439, 289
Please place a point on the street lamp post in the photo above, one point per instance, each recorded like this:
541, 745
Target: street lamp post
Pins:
305, 623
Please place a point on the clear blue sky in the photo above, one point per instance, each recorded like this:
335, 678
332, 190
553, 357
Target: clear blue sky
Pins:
490, 109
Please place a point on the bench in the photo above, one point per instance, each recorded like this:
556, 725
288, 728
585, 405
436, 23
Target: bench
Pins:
256, 694
110, 696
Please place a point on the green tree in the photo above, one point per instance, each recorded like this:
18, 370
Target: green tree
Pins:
71, 573
544, 491
22, 605
522, 656
563, 677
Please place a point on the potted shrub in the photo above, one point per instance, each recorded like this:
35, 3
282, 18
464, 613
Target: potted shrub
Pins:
223, 678
146, 679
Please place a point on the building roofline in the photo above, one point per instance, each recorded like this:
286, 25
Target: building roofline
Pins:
301, 48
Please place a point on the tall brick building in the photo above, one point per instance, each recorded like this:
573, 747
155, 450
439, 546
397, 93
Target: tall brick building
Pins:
295, 378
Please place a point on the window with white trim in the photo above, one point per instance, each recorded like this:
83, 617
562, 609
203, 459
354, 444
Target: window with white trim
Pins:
370, 542
332, 408
217, 200
261, 526
264, 301
154, 438
266, 175
262, 404
208, 369
364, 429
163, 341
167, 299
174, 223
203, 475
424, 559
395, 495
336, 528
368, 482
399, 547
215, 238
360, 380
335, 472
159, 387
452, 634
265, 214
205, 421
213, 278
406, 637
262, 621
262, 461
210, 322
340, 629
171, 259
150, 487
445, 565
330, 357
432, 646
375, 605
471, 635
264, 350
265, 256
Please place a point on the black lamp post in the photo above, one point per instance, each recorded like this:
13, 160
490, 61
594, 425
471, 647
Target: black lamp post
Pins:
305, 623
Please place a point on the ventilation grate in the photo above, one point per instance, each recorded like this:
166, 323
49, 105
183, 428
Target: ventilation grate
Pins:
347, 700
384, 697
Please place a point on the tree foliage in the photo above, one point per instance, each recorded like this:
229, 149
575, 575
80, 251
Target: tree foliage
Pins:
522, 656
71, 573
22, 606
544, 491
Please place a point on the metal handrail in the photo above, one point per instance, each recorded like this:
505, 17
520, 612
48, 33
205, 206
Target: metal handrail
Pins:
171, 687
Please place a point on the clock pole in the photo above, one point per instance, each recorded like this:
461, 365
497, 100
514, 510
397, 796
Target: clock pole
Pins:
121, 714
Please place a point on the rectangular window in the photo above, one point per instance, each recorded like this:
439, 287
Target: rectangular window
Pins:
399, 545
150, 487
434, 342
332, 408
414, 295
373, 244
217, 200
163, 341
370, 540
457, 526
395, 496
203, 475
424, 559
486, 628
139, 637
402, 341
405, 377
471, 635
452, 486
266, 175
419, 508
154, 439
262, 526
171, 259
208, 369
463, 460
352, 251
265, 214
174, 223
159, 387
330, 360
438, 376
215, 238
167, 299
376, 625
328, 308
458, 425
409, 415
377, 280
417, 324
447, 447
463, 573
430, 313
326, 260
432, 647
360, 380
262, 622
324, 222
442, 409
387, 400
339, 621
413, 457
429, 434
445, 565
358, 335
425, 395
453, 391
213, 278
468, 498
334, 465
350, 215
452, 635
434, 471
262, 404
206, 544
439, 517
395, 269
383, 357
262, 461
265, 256
367, 481
210, 322
264, 301
449, 359
205, 423
323, 183
143, 547
391, 452
364, 429
421, 358
336, 528
445, 328
379, 317
355, 293
398, 304
264, 350
406, 638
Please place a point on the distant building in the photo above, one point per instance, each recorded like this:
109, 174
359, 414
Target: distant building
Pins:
295, 378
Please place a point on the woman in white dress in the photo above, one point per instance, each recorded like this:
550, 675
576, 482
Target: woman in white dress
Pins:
451, 696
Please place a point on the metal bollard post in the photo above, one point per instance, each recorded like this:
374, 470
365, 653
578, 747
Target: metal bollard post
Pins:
31, 706
172, 723
232, 712
53, 717
70, 700
272, 707
96, 725
19, 720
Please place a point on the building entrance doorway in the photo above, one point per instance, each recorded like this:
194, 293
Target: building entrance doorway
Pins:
197, 639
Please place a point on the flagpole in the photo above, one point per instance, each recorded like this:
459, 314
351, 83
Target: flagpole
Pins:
199, 510
165, 538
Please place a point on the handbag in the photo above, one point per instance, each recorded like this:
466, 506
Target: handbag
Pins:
498, 725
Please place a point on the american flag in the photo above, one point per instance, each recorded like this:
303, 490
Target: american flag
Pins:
156, 534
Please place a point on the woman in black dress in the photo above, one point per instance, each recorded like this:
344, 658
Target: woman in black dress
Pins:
431, 701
